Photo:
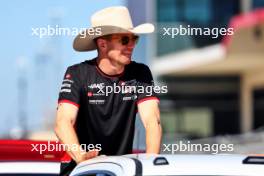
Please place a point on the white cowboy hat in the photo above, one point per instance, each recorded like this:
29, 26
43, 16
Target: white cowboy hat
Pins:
107, 21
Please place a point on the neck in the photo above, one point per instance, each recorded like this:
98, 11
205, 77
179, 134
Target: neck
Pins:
109, 67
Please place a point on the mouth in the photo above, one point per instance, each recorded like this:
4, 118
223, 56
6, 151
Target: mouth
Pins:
128, 54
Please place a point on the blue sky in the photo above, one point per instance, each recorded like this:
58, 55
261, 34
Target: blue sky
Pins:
18, 17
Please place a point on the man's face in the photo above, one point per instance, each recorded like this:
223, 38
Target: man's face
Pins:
120, 47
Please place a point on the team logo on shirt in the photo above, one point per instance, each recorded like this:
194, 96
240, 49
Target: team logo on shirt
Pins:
96, 86
95, 89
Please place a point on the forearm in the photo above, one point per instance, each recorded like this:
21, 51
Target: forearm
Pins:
67, 135
153, 137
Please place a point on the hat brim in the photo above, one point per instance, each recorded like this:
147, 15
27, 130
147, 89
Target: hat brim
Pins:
85, 40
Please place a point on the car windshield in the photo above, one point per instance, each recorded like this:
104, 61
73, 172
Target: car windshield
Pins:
97, 173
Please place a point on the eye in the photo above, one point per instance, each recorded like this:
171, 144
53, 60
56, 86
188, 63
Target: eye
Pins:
135, 38
125, 40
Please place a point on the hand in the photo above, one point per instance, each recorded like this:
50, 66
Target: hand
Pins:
88, 155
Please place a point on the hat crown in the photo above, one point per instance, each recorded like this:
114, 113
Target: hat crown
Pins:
112, 16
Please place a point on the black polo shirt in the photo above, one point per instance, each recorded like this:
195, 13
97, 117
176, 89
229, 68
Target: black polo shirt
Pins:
104, 117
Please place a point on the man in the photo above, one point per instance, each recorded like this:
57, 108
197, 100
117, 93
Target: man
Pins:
89, 111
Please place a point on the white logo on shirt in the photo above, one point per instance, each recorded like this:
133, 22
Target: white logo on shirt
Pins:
96, 85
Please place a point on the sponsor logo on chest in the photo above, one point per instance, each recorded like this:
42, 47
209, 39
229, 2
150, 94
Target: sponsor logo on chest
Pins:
96, 101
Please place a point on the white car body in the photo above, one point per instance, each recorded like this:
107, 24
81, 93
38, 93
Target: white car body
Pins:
143, 164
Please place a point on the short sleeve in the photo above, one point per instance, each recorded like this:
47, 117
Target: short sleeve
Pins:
70, 87
145, 87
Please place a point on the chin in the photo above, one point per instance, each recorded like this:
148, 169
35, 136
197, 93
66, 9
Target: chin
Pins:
126, 60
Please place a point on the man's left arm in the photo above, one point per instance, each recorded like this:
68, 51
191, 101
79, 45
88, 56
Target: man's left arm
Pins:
150, 116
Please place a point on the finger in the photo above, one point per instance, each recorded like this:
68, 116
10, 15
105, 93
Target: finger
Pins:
95, 153
91, 154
